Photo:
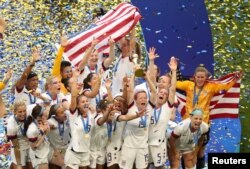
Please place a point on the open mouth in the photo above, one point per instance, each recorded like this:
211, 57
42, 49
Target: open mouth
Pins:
143, 104
161, 98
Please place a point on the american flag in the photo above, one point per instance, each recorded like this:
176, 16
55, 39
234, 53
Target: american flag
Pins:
116, 23
224, 104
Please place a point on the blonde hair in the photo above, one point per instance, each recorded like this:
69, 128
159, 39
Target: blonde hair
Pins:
18, 103
201, 68
49, 81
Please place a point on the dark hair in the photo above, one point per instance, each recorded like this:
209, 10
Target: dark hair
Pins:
65, 82
36, 112
52, 110
31, 75
87, 80
102, 105
64, 64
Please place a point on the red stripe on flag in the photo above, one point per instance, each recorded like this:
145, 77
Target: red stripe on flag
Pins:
224, 115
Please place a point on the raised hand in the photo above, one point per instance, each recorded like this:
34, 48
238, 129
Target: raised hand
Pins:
94, 42
151, 53
108, 83
35, 55
64, 40
7, 76
141, 113
173, 63
111, 42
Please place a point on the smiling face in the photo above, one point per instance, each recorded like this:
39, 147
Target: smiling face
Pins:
83, 104
93, 59
67, 72
141, 100
200, 79
32, 83
162, 96
20, 112
196, 121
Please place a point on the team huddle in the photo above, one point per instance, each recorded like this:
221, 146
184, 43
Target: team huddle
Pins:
95, 116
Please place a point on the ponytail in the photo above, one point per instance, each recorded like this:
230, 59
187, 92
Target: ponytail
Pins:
36, 111
27, 122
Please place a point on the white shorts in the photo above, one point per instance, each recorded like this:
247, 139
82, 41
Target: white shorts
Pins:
97, 157
113, 155
158, 154
75, 160
130, 155
36, 161
25, 157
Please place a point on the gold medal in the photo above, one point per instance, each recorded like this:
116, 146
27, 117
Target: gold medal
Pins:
86, 136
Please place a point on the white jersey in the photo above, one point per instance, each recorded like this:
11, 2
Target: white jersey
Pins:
102, 93
25, 96
158, 124
136, 131
99, 137
87, 71
186, 139
59, 99
122, 67
116, 129
33, 133
16, 129
59, 136
81, 131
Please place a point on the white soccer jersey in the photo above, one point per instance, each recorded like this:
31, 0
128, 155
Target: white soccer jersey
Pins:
116, 132
99, 137
33, 133
122, 67
59, 136
87, 71
16, 129
59, 99
102, 93
136, 134
186, 139
25, 96
81, 132
158, 124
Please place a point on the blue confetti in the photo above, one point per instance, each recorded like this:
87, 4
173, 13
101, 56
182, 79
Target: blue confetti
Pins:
160, 41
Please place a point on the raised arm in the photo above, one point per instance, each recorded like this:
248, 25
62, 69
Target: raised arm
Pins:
94, 90
6, 79
108, 84
152, 88
56, 70
132, 42
3, 111
105, 116
35, 57
129, 82
74, 88
129, 117
173, 67
111, 57
87, 54
151, 67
